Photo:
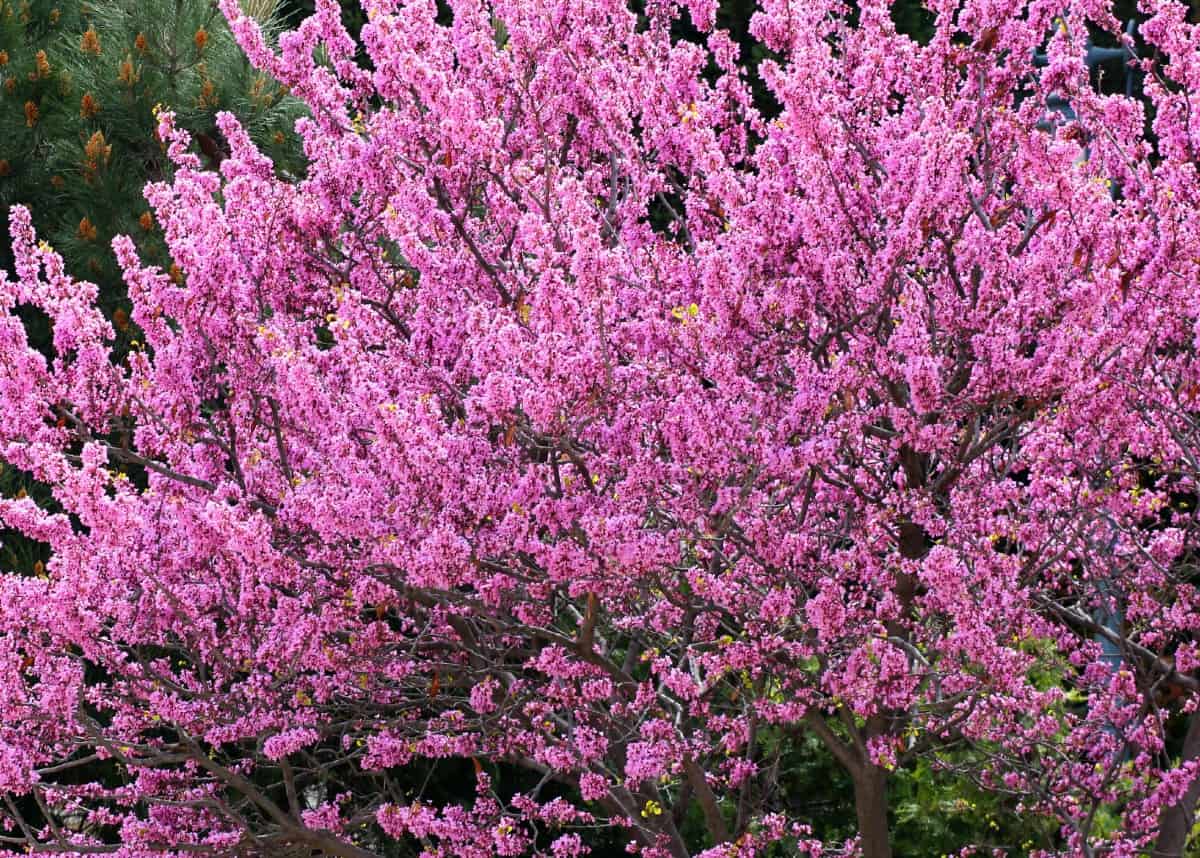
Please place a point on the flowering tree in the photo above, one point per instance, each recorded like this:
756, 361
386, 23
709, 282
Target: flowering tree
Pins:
572, 417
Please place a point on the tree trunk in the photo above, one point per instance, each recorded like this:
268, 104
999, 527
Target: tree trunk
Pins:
1175, 822
871, 806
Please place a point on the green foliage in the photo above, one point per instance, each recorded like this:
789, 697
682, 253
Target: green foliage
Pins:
935, 810
933, 807
80, 83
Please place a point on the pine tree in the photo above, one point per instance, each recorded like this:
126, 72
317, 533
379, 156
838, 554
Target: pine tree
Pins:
80, 83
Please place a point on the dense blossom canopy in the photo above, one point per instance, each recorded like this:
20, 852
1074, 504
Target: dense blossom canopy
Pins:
572, 416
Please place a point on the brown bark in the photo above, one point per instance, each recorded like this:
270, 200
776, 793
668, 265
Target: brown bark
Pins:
1175, 822
870, 787
708, 801
871, 807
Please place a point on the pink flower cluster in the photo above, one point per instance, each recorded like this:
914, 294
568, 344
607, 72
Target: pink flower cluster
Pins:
571, 414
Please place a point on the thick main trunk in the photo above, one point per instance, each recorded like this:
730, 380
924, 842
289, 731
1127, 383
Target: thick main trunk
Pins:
1175, 822
871, 807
